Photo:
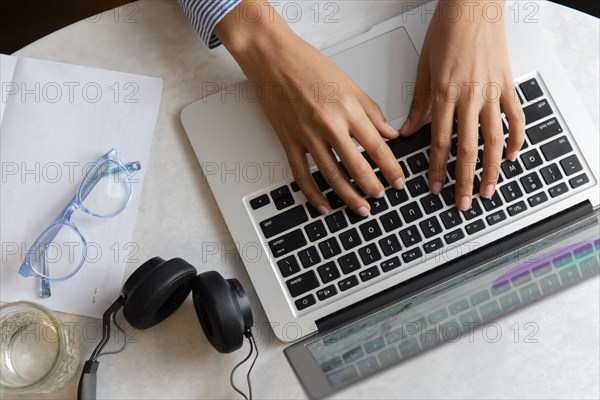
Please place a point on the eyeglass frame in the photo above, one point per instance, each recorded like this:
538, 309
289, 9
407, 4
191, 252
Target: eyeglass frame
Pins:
64, 219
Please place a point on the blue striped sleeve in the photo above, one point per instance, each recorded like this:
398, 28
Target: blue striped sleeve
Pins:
205, 14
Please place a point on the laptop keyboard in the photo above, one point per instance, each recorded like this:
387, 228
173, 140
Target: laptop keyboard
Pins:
319, 259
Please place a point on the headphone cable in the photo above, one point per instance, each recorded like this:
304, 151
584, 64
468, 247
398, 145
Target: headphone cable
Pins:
252, 346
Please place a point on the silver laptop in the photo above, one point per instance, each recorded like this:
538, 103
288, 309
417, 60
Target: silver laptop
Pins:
314, 272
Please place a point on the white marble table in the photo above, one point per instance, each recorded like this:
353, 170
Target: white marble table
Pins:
179, 217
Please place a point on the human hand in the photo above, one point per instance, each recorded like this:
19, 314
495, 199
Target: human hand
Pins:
314, 107
464, 72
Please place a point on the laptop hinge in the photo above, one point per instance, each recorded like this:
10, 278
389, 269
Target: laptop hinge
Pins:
454, 267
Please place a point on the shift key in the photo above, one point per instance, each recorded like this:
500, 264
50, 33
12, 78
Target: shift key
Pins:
284, 221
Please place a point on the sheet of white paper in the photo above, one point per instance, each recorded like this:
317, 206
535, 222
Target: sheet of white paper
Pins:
55, 120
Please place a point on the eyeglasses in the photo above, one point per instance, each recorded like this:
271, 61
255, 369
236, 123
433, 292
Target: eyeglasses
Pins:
61, 250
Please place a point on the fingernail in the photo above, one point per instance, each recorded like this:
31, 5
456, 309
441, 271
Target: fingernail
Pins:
436, 187
488, 191
380, 194
323, 210
512, 156
362, 211
391, 129
404, 127
464, 203
399, 183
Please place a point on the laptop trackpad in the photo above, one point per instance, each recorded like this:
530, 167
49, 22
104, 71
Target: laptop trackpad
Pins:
385, 67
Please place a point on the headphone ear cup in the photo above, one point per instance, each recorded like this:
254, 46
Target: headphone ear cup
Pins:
156, 290
221, 311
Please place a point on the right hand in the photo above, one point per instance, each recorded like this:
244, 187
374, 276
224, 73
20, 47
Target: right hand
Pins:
314, 107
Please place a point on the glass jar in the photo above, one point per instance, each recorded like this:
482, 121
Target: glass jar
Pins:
37, 352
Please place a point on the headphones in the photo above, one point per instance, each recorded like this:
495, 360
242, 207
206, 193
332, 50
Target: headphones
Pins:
156, 289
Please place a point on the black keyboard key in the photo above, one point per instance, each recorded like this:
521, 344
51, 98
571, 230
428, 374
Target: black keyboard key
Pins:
571, 165
531, 159
431, 203
412, 255
448, 194
556, 148
537, 199
516, 208
314, 213
370, 230
330, 248
377, 205
579, 180
309, 257
537, 111
350, 239
369, 254
417, 186
326, 292
315, 231
451, 218
531, 182
558, 190
551, 174
336, 221
302, 283
348, 282
543, 131
410, 236
430, 227
382, 179
349, 263
259, 202
417, 163
328, 272
474, 211
284, 221
334, 200
390, 264
305, 302
431, 246
411, 212
284, 202
511, 191
278, 193
390, 221
288, 266
369, 273
496, 217
286, 243
475, 227
454, 236
476, 184
452, 169
479, 162
531, 89
396, 196
320, 180
353, 217
493, 202
404, 169
389, 245
403, 146
295, 187
511, 168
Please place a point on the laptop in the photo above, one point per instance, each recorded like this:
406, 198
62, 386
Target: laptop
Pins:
316, 274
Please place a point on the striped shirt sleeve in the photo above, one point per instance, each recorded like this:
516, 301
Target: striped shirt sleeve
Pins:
205, 14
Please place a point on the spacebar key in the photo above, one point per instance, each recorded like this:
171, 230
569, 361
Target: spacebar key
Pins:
284, 221
286, 243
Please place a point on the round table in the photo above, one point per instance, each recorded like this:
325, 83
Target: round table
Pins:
547, 350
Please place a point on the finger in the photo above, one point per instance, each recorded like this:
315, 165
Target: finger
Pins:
441, 140
335, 177
421, 99
493, 144
379, 151
305, 180
376, 116
466, 157
516, 123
